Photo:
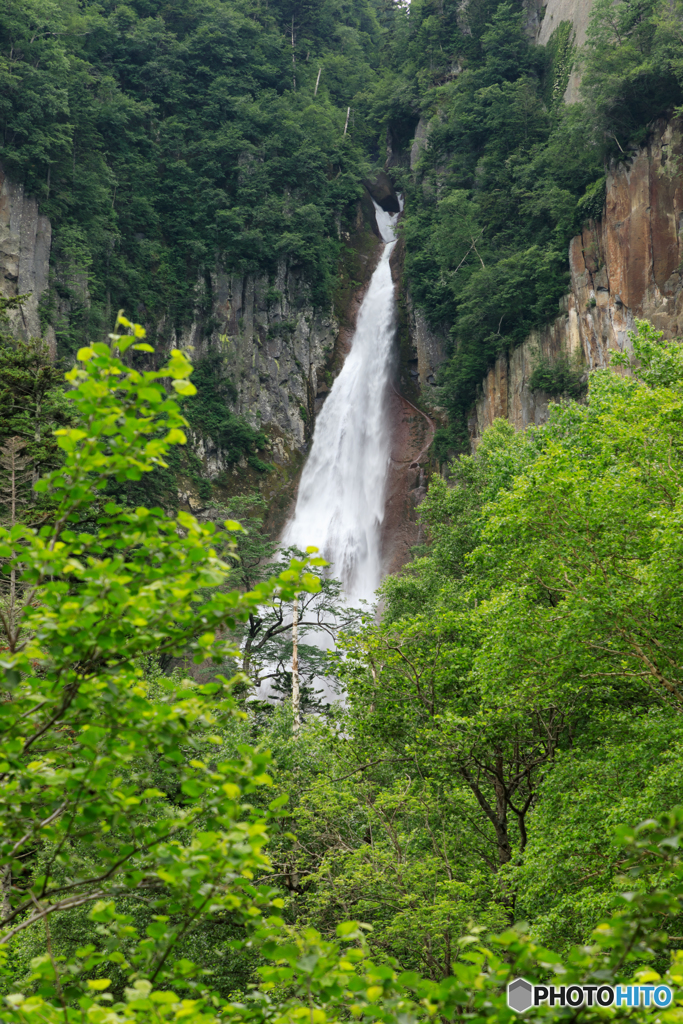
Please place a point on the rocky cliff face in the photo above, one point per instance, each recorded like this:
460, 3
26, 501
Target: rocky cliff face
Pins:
543, 20
275, 348
275, 344
282, 354
25, 240
279, 349
626, 266
421, 347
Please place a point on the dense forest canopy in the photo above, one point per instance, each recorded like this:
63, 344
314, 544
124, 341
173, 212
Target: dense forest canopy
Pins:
161, 137
164, 140
511, 172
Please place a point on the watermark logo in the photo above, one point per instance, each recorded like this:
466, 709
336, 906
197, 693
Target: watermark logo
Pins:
522, 995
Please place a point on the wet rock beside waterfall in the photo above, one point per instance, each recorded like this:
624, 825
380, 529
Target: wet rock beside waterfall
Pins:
382, 191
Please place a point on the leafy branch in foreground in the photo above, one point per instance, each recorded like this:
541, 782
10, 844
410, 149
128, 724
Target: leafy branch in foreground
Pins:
312, 979
105, 788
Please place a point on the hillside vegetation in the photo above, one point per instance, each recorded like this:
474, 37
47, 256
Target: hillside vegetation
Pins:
510, 172
508, 754
498, 791
162, 137
164, 140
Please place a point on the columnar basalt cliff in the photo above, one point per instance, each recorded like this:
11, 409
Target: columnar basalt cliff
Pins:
281, 349
25, 240
624, 266
282, 353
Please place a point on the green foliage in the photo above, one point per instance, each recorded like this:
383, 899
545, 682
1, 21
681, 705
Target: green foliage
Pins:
632, 70
521, 696
330, 980
514, 714
265, 639
506, 728
117, 121
220, 431
32, 401
489, 216
560, 53
145, 804
162, 139
251, 550
161, 487
592, 202
508, 173
441, 445
559, 378
616, 772
656, 362
452, 512
210, 417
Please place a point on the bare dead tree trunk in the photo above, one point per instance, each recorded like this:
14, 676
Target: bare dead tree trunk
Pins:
317, 81
293, 59
296, 695
348, 111
15, 466
6, 887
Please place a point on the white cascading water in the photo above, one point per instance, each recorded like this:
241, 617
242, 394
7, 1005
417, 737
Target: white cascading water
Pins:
340, 505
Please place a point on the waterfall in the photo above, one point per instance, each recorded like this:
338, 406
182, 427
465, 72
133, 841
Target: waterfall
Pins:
340, 505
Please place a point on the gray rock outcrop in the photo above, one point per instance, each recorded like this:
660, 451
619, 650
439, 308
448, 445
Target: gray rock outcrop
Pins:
552, 16
25, 241
275, 346
382, 191
419, 142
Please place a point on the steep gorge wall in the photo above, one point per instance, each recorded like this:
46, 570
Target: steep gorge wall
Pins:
628, 265
25, 241
282, 354
279, 349
544, 20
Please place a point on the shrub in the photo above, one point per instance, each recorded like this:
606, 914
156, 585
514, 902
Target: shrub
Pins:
559, 378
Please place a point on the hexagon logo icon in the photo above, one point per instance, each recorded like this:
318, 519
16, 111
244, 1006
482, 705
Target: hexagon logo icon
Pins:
520, 995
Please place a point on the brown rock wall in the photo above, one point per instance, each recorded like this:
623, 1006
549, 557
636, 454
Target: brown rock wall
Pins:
628, 265
412, 432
